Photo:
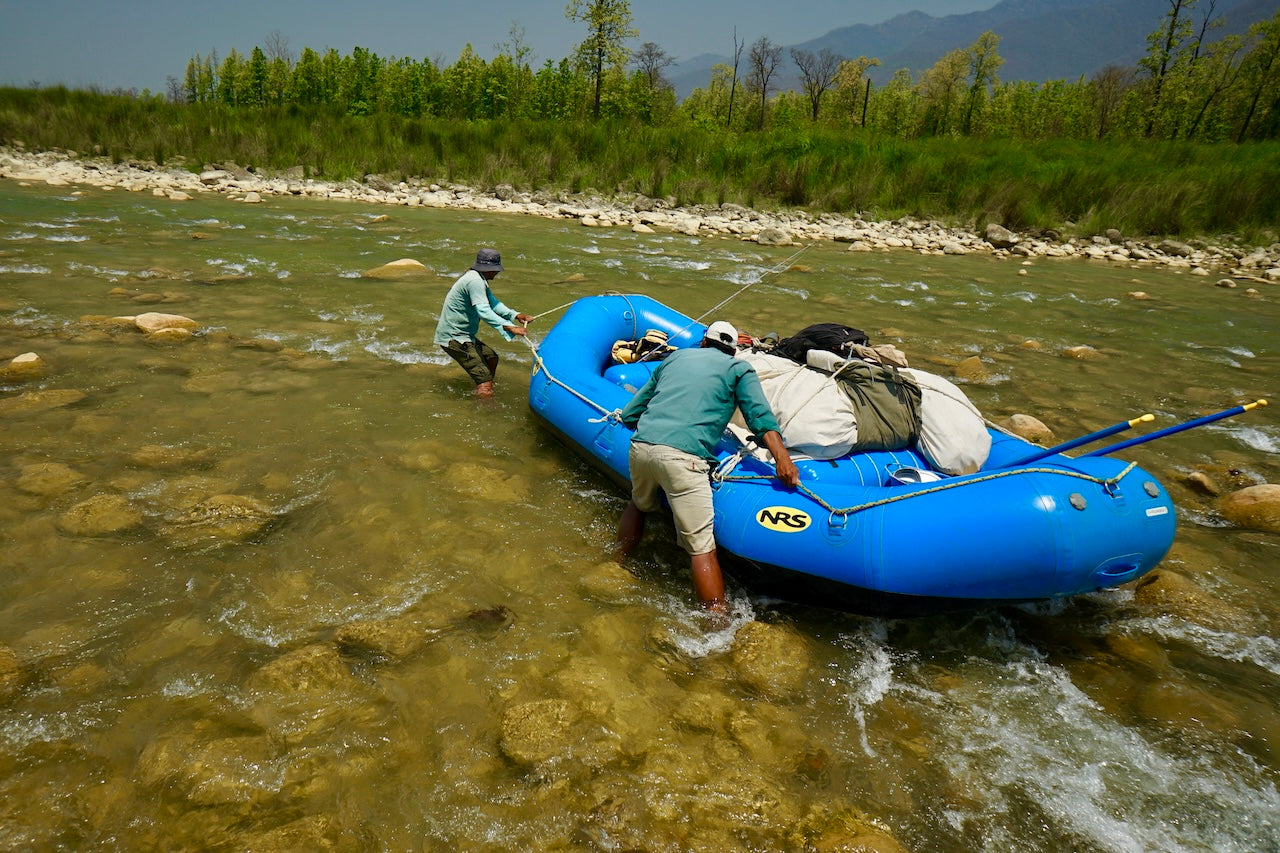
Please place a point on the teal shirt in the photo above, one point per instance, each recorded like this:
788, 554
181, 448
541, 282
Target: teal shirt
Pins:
467, 303
690, 398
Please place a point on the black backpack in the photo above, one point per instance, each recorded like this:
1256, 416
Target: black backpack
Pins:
832, 337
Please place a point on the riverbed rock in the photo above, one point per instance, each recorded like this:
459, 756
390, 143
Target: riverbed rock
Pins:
317, 668
163, 457
607, 582
1254, 507
1174, 594
771, 660
39, 401
533, 732
971, 370
848, 831
220, 519
153, 322
1028, 427
488, 483
395, 638
396, 270
10, 672
1083, 352
49, 479
219, 772
22, 367
101, 515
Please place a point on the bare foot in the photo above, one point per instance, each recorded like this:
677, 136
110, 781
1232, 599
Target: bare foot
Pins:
484, 389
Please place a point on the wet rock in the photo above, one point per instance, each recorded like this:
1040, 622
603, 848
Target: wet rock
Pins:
1225, 282
401, 269
771, 660
39, 401
533, 732
160, 457
1203, 483
704, 711
221, 518
10, 672
607, 582
154, 322
312, 669
1255, 507
252, 197
312, 833
1028, 427
487, 483
849, 831
100, 515
398, 637
49, 479
1084, 352
222, 771
23, 367
1139, 295
170, 336
488, 619
1031, 345
1184, 708
971, 370
1173, 594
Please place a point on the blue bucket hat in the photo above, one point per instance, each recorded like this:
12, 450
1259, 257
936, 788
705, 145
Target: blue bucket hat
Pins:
488, 260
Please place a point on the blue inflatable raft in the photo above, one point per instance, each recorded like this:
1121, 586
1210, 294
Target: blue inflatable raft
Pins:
853, 534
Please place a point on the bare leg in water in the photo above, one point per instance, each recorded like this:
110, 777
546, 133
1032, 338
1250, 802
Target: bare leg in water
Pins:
485, 389
630, 529
708, 582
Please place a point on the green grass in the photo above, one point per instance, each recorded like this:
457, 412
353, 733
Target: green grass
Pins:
1140, 188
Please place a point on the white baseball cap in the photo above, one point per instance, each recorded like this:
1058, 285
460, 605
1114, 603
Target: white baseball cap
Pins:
722, 333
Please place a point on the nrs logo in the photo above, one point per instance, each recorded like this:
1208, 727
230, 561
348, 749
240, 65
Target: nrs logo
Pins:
783, 519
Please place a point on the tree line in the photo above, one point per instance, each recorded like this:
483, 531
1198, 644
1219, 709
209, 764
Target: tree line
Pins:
1187, 86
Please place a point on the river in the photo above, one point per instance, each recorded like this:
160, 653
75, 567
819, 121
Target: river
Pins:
326, 596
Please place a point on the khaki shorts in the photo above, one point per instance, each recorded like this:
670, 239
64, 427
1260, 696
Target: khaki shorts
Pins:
473, 356
686, 480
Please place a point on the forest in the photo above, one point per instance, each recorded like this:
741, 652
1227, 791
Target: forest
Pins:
1186, 141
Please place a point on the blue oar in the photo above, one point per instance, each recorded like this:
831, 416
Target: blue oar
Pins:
1207, 419
1084, 439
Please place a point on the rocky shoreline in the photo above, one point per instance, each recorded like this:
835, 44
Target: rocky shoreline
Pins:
648, 215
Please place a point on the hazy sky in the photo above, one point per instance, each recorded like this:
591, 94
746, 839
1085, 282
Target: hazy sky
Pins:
137, 44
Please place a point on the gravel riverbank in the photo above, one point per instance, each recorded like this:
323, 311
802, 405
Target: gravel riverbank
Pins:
1219, 260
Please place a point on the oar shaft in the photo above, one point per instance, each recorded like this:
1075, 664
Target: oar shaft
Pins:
1084, 439
1176, 428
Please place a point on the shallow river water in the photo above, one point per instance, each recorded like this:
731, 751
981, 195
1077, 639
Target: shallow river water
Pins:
287, 585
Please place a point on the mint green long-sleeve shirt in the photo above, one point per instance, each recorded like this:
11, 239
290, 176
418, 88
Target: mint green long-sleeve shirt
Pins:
467, 303
690, 398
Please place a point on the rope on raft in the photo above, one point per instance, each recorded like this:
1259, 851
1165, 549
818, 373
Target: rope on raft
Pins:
1106, 483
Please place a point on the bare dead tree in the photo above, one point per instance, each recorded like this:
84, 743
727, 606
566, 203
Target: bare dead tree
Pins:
765, 56
817, 74
650, 60
733, 81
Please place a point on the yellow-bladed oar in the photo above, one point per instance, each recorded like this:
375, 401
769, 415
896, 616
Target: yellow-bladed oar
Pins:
1207, 419
1084, 439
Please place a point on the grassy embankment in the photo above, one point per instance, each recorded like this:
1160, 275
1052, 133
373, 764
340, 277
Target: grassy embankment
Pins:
1160, 188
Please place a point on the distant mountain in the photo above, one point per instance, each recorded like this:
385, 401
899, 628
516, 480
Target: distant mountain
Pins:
1040, 40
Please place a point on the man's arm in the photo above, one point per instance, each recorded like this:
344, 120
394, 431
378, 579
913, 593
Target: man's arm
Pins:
786, 469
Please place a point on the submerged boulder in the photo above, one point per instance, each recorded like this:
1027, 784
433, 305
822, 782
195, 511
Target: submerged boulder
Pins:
771, 660
533, 732
100, 515
153, 322
403, 268
1028, 427
1254, 507
26, 366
